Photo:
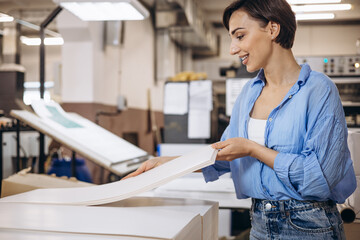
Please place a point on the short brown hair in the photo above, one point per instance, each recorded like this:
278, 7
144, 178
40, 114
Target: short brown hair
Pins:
278, 11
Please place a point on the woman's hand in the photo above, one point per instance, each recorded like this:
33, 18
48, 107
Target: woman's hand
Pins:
149, 164
233, 148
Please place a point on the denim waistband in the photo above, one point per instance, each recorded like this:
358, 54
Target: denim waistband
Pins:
288, 205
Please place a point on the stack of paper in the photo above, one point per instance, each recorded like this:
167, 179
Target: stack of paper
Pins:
129, 223
116, 191
208, 210
19, 234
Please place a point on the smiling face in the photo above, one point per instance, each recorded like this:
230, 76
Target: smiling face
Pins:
251, 41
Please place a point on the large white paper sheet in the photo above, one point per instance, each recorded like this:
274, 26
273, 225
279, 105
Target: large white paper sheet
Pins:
116, 191
15, 234
176, 98
133, 222
233, 89
187, 184
81, 133
178, 149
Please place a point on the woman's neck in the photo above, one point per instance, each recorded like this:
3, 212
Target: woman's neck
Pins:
282, 69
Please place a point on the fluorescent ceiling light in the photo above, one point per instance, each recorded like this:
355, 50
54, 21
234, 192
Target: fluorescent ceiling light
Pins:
109, 10
36, 41
321, 8
5, 18
312, 1
314, 16
36, 85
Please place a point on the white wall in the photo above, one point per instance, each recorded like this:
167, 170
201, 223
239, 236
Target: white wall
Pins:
326, 40
82, 57
137, 63
30, 59
94, 72
311, 40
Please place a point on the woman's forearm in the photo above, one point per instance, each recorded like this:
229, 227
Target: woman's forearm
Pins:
264, 154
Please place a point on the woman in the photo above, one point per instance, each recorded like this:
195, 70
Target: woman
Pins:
286, 144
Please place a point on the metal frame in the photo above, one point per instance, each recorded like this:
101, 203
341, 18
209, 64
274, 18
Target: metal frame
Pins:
43, 25
17, 128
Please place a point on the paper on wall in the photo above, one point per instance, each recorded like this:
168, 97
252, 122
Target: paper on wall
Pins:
199, 122
200, 94
176, 98
233, 89
200, 106
119, 190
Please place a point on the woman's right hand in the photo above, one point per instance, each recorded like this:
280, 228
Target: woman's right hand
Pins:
149, 164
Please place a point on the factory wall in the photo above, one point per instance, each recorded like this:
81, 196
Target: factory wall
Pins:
326, 40
108, 71
30, 59
126, 69
311, 40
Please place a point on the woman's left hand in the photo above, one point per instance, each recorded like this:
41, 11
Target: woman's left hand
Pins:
233, 148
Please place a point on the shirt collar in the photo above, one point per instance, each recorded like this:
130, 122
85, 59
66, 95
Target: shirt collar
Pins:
303, 76
260, 78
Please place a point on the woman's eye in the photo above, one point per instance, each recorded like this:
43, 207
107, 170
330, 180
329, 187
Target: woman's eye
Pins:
240, 37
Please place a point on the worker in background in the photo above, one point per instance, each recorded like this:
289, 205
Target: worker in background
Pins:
286, 144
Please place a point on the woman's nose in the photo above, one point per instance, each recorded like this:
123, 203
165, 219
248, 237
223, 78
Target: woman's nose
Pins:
234, 49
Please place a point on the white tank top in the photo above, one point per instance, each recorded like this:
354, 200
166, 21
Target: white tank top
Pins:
256, 130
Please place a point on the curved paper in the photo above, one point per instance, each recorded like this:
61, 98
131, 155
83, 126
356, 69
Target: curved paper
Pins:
119, 190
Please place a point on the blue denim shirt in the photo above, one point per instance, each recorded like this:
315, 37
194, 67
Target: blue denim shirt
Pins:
309, 131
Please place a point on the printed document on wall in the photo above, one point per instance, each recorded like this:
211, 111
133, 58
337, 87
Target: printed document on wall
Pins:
201, 95
199, 124
233, 89
176, 98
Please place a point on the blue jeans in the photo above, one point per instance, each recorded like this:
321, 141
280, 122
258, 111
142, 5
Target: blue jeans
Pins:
293, 219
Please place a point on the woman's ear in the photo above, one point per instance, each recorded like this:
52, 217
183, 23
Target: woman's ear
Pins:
274, 29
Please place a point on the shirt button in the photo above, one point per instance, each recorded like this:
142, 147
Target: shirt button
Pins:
290, 96
270, 119
268, 206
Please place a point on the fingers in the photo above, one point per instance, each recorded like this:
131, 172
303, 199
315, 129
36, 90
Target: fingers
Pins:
149, 164
222, 157
219, 145
138, 171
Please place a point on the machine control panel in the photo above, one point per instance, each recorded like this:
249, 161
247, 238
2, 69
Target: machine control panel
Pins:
344, 71
334, 66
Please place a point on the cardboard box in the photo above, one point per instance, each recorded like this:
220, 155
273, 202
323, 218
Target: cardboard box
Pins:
24, 182
352, 230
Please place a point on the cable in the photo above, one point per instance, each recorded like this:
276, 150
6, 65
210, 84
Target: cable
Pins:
21, 147
109, 114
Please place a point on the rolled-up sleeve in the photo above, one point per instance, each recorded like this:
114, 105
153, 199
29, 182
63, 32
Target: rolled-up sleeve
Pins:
322, 164
213, 172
